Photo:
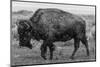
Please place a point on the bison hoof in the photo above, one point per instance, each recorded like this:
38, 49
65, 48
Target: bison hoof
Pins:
88, 54
44, 57
72, 57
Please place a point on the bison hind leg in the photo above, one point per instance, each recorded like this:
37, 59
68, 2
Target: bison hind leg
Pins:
76, 46
85, 42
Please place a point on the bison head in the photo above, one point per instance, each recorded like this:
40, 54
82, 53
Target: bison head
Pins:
24, 29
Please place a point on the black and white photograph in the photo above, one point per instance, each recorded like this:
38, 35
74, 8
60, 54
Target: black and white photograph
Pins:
52, 33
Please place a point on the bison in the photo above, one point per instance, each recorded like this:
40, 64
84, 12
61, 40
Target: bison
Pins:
52, 25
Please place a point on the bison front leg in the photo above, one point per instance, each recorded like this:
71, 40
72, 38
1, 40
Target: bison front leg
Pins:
76, 46
52, 48
43, 50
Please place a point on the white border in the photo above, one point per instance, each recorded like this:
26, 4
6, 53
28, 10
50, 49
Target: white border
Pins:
5, 33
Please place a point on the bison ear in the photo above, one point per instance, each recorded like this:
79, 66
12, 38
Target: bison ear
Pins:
17, 22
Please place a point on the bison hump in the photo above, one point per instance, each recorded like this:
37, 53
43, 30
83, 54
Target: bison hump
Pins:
56, 20
39, 12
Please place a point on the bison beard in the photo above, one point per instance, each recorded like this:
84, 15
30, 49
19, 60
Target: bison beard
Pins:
53, 25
